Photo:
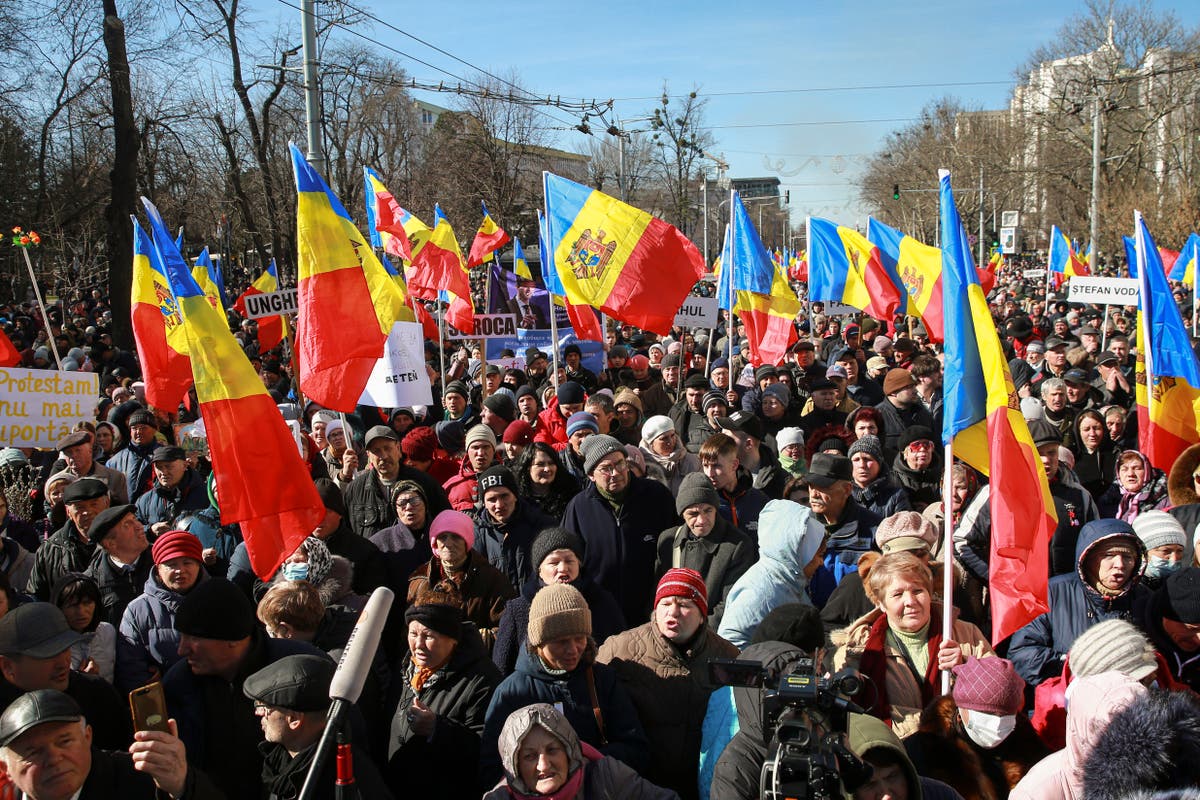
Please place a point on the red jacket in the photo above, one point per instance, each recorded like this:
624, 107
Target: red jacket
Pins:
552, 427
463, 488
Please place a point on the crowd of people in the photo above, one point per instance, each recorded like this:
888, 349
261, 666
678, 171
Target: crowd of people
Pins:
570, 549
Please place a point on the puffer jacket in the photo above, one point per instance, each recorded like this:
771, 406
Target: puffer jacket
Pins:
743, 506
463, 488
552, 426
164, 505
506, 546
853, 536
607, 619
669, 688
721, 557
459, 694
1038, 649
787, 543
147, 639
65, 551
623, 736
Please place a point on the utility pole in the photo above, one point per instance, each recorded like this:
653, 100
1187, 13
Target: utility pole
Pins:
312, 90
1097, 120
980, 264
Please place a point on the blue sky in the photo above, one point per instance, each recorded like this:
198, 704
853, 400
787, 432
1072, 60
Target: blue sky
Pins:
626, 50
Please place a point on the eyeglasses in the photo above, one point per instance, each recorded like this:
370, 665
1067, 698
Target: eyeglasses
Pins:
613, 469
405, 502
921, 444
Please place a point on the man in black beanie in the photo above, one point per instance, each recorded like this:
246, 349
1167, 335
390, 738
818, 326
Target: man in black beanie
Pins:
499, 409
506, 525
220, 645
1172, 619
369, 569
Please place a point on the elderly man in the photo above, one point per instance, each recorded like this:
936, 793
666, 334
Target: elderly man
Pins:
1104, 585
122, 560
900, 410
35, 653
368, 503
825, 406
619, 517
177, 489
49, 751
849, 528
76, 450
68, 549
133, 460
220, 645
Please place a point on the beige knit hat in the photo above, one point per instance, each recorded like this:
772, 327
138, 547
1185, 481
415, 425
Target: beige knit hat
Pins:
1114, 645
558, 610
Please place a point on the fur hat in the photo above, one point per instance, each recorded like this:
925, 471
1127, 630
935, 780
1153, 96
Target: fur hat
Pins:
989, 685
1180, 489
1113, 645
556, 611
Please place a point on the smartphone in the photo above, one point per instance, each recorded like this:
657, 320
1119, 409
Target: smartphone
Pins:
148, 705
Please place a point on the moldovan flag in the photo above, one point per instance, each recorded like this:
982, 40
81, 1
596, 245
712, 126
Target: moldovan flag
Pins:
983, 420
1185, 265
271, 330
347, 301
1063, 262
918, 267
488, 239
263, 483
10, 356
845, 267
617, 258
206, 277
1169, 413
157, 328
762, 298
583, 318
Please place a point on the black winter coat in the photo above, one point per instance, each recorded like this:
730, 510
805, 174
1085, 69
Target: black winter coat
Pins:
621, 542
506, 546
65, 551
106, 711
370, 572
118, 588
283, 776
459, 694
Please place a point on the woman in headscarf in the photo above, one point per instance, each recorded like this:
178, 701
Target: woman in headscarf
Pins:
661, 445
1095, 453
1139, 487
332, 575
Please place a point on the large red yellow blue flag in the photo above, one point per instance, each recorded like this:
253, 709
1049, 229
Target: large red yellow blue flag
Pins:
846, 267
918, 267
984, 423
1063, 263
157, 328
1167, 375
488, 239
263, 483
271, 330
205, 274
347, 301
391, 228
762, 297
439, 272
617, 258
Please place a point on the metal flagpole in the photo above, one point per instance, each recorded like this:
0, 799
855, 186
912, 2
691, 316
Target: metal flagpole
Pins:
553, 311
441, 316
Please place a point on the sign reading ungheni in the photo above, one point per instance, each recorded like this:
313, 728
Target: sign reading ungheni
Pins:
40, 406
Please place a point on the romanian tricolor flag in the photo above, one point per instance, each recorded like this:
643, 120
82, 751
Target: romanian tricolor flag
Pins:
983, 420
1189, 258
205, 275
157, 328
347, 301
617, 258
762, 298
438, 266
488, 239
262, 481
392, 229
919, 270
845, 267
1063, 263
1169, 413
271, 330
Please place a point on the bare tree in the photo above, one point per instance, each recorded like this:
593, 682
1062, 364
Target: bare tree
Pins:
681, 138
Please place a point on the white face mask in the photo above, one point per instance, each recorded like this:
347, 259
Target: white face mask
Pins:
988, 730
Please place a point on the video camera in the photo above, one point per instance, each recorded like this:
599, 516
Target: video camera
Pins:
805, 726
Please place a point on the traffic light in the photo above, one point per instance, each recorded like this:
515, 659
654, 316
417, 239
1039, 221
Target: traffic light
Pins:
994, 238
895, 191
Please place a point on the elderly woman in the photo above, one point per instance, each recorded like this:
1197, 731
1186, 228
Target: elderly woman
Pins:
661, 445
439, 703
899, 645
864, 421
483, 588
405, 545
543, 757
559, 666
1139, 487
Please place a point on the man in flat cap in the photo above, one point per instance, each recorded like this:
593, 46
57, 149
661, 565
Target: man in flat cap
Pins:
177, 488
68, 549
35, 653
77, 458
368, 497
121, 562
47, 746
291, 699
220, 645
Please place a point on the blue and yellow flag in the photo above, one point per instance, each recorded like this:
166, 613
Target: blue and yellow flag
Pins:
763, 299
846, 267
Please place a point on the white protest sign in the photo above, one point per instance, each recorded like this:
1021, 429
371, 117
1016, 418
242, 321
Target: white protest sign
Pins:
399, 378
271, 304
697, 312
1034, 273
488, 326
40, 406
1103, 291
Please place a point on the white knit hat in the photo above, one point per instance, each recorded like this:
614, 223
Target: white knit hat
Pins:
1158, 528
787, 436
655, 427
1114, 645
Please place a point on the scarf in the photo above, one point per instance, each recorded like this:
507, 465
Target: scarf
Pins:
669, 463
793, 466
874, 664
614, 500
421, 674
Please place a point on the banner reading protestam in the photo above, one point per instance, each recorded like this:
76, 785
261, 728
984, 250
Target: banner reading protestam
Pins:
40, 406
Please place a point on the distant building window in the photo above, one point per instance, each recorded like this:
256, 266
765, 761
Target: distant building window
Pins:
427, 117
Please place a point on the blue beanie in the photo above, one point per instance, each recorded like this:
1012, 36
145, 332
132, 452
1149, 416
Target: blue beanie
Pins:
580, 420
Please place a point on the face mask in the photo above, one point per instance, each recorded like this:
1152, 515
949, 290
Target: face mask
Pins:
1160, 567
988, 730
296, 571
